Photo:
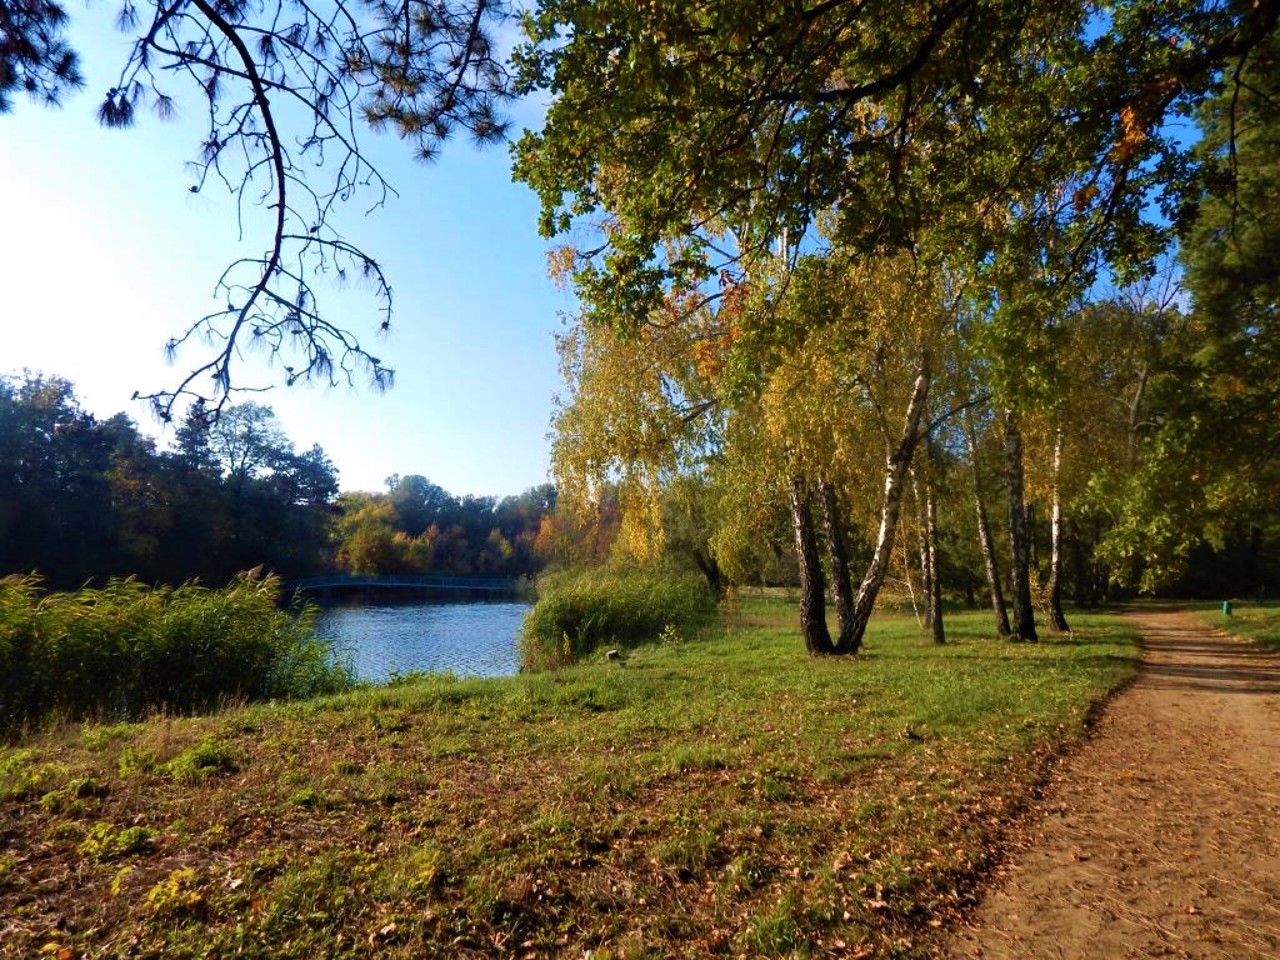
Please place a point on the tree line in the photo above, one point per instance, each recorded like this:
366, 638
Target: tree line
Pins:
84, 499
937, 297
837, 262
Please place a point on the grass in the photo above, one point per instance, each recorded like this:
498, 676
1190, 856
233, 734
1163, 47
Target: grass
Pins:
1254, 620
721, 797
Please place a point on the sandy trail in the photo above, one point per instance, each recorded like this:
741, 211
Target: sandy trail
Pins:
1161, 837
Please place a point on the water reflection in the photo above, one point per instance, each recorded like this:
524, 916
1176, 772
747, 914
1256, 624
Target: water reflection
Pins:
474, 639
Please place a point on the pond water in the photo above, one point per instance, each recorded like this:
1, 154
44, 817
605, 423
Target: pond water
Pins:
472, 639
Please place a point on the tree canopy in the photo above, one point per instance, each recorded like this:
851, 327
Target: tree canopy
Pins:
34, 56
693, 137
914, 229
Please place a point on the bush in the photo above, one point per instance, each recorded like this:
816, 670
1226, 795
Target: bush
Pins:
128, 649
580, 610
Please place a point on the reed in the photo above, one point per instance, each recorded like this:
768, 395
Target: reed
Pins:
128, 649
579, 611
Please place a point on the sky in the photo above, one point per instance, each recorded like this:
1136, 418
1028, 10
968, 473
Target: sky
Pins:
105, 254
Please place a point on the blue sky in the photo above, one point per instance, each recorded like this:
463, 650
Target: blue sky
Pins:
106, 254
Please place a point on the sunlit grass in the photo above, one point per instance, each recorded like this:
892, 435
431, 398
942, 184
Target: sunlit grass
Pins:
715, 797
1252, 619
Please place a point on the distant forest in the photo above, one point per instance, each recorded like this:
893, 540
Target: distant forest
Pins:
84, 499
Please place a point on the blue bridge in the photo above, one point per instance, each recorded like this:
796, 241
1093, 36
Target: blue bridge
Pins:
344, 582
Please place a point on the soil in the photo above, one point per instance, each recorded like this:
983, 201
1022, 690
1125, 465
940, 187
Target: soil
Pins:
1161, 837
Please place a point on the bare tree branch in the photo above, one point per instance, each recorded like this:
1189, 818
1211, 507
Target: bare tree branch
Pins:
290, 87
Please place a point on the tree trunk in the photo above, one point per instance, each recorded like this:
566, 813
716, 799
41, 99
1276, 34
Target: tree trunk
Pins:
711, 570
1024, 618
985, 542
911, 585
1135, 417
931, 538
1033, 551
1057, 619
838, 555
813, 604
924, 546
896, 465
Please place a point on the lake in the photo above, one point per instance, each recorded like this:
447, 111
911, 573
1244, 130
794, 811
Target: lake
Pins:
472, 639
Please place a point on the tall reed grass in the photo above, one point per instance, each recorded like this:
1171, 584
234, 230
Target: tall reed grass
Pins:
128, 649
580, 610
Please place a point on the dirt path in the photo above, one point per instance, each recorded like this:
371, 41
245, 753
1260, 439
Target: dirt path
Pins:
1161, 838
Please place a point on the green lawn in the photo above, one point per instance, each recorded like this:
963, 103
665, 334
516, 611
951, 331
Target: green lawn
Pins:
727, 796
1251, 619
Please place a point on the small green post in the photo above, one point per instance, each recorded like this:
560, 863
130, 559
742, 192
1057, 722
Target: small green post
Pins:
1226, 608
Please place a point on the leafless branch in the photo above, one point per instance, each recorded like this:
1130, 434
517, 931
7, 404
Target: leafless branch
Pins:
290, 86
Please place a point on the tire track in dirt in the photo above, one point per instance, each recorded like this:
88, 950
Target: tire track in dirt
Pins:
1161, 837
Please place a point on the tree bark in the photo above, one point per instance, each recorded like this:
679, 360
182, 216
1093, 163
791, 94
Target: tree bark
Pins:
931, 539
897, 462
1135, 417
985, 542
911, 586
1057, 619
1024, 621
813, 605
924, 547
1033, 552
838, 557
711, 570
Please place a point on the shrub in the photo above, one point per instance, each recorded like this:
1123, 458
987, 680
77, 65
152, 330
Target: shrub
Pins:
579, 611
106, 842
176, 895
205, 759
128, 649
